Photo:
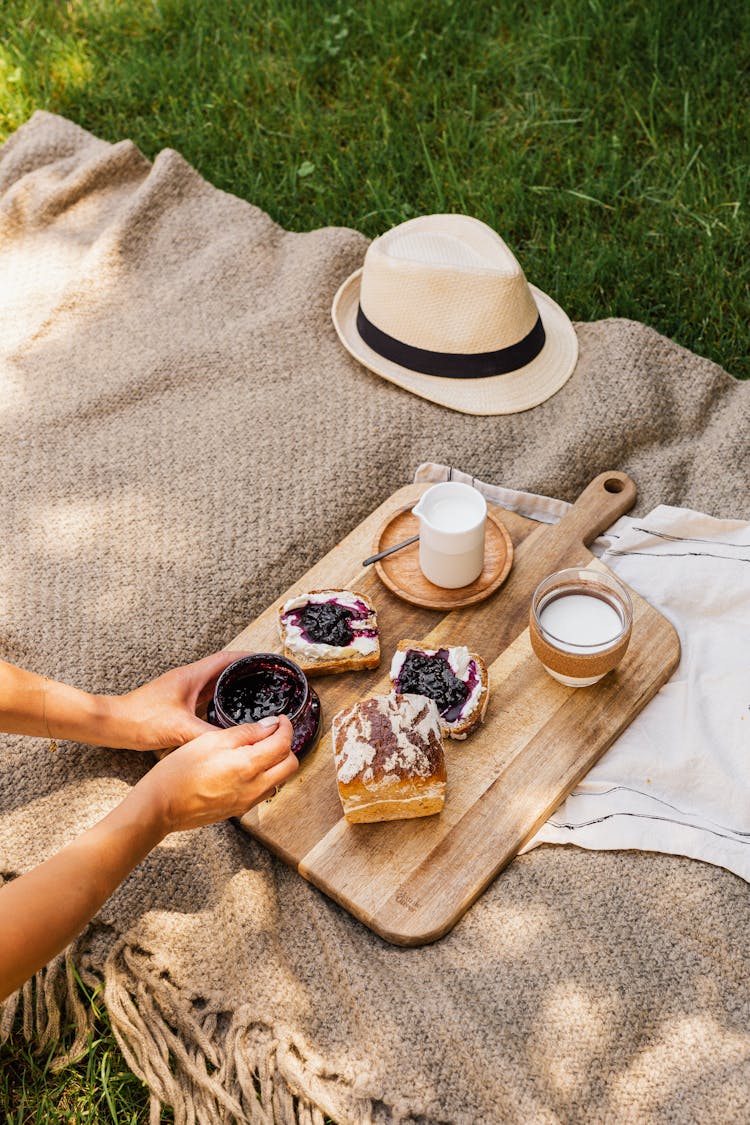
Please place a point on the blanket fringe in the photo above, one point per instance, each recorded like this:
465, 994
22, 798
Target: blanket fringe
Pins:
50, 1005
208, 1065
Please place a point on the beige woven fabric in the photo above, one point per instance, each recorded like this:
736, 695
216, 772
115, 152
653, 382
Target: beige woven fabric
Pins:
181, 435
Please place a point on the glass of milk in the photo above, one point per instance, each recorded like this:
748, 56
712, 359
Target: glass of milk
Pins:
452, 519
580, 624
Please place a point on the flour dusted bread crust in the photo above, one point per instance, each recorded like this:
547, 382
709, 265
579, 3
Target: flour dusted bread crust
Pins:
389, 758
458, 681
329, 631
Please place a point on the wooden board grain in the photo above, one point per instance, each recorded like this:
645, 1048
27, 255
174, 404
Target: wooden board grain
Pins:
410, 881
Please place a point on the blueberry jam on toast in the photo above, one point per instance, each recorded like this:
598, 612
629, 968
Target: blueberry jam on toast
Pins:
328, 631
454, 678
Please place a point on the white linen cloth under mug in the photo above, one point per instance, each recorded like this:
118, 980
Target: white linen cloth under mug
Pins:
678, 779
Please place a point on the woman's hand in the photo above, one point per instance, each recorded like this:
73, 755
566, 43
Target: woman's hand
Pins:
160, 715
220, 774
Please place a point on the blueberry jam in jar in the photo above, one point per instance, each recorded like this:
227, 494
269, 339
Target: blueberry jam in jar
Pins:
329, 623
432, 675
265, 683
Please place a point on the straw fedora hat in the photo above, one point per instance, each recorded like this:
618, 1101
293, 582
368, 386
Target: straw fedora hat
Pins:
442, 308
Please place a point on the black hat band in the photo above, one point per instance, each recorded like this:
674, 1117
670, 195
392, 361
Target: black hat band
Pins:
453, 365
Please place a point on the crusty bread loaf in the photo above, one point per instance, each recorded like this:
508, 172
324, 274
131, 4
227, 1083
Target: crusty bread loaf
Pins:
468, 668
356, 627
389, 758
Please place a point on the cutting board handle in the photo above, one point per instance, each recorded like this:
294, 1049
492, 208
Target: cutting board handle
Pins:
609, 496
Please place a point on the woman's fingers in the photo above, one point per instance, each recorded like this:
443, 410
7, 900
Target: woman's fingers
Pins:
275, 777
266, 741
193, 727
221, 774
272, 751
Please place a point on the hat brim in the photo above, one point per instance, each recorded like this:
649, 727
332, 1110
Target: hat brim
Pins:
494, 394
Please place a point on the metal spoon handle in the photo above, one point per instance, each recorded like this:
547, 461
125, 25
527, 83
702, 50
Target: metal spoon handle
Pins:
390, 550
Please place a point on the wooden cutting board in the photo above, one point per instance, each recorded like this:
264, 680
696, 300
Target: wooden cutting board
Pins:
411, 880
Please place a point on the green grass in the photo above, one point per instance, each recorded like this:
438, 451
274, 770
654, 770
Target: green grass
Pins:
99, 1089
606, 141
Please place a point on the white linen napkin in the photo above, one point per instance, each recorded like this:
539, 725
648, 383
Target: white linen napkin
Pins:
678, 779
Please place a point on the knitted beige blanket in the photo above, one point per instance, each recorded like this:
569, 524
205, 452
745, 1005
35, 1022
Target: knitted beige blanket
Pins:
181, 436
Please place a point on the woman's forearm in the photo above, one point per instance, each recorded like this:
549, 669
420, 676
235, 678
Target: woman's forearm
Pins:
158, 715
36, 705
217, 775
42, 911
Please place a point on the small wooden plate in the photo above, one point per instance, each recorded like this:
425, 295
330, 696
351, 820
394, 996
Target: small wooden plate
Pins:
401, 574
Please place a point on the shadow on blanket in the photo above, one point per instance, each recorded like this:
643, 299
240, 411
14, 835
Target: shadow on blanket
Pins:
182, 435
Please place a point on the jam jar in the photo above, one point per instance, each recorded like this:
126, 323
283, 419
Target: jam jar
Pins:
265, 683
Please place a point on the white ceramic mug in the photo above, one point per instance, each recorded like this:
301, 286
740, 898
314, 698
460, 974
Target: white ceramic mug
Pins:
452, 520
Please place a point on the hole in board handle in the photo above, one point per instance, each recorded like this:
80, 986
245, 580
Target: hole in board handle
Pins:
613, 485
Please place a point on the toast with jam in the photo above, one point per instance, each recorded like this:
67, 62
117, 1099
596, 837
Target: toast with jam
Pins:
455, 678
330, 631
